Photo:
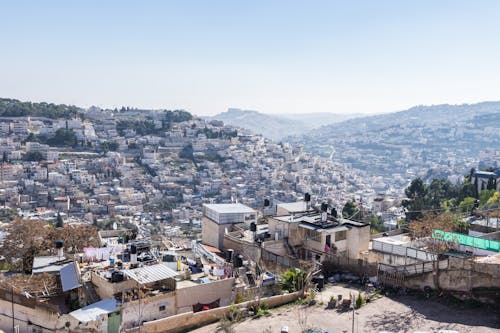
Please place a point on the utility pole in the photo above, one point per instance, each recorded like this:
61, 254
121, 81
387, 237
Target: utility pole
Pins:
353, 309
12, 302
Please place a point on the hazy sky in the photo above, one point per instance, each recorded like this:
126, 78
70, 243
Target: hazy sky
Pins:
271, 56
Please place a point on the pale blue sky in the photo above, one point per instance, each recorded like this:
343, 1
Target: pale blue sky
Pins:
271, 56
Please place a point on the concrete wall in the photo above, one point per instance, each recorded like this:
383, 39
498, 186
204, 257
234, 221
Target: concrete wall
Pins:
204, 293
358, 240
189, 320
462, 275
136, 312
240, 246
212, 233
106, 289
28, 318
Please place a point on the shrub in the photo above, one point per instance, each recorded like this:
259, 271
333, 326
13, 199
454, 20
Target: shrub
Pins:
360, 301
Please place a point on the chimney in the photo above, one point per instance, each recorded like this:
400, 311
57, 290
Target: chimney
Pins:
133, 254
60, 249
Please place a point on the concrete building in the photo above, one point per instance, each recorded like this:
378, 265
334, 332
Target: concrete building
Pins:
217, 218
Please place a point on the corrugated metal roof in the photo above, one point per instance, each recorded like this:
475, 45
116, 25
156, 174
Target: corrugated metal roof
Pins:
149, 274
93, 311
69, 277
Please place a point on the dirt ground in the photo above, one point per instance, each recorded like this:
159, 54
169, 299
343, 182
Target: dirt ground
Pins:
386, 314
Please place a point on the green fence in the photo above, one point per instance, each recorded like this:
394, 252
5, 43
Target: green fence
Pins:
480, 243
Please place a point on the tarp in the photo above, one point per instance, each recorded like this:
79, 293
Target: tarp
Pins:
480, 243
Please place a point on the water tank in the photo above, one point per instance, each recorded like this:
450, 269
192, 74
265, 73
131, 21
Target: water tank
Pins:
238, 261
117, 276
253, 227
133, 249
266, 203
307, 197
334, 212
59, 244
319, 281
229, 255
324, 207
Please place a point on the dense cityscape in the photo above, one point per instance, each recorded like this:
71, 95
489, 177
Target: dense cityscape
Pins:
249, 167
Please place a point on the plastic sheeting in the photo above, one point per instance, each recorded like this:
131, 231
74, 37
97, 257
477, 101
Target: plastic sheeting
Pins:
480, 243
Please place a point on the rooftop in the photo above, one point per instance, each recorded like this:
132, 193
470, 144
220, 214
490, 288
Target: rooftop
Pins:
150, 274
48, 264
235, 208
93, 311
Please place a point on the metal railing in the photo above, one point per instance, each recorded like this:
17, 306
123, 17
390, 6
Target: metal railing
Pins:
402, 251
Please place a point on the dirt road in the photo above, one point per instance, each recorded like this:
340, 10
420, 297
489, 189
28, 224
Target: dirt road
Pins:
391, 314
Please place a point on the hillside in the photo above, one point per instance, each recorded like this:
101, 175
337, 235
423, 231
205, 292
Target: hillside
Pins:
14, 108
277, 127
443, 138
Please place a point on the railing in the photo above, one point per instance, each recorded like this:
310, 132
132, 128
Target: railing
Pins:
402, 251
280, 260
413, 269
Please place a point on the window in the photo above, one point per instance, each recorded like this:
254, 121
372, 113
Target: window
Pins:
162, 307
340, 235
313, 235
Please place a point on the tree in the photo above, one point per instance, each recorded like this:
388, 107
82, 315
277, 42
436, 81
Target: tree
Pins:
492, 184
25, 239
293, 280
110, 146
416, 199
59, 221
349, 209
466, 205
33, 156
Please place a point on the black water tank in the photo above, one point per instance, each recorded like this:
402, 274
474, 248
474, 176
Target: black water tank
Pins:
229, 255
266, 203
117, 276
319, 281
324, 207
59, 244
238, 261
334, 212
253, 227
133, 249
307, 197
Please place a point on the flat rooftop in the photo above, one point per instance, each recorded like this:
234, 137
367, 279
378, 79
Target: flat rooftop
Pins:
235, 208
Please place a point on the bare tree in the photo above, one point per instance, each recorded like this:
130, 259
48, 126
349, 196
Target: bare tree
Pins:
25, 239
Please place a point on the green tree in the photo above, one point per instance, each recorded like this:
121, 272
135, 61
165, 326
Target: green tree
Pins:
492, 184
293, 280
349, 209
33, 156
466, 205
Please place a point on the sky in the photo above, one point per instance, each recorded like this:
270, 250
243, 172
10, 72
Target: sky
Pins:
270, 56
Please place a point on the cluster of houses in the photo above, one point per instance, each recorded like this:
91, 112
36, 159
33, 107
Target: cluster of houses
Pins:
131, 280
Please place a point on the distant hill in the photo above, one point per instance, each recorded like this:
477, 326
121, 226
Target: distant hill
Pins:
439, 137
14, 108
277, 127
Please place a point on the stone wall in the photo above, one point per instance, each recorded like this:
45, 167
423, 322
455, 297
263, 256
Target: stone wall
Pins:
189, 320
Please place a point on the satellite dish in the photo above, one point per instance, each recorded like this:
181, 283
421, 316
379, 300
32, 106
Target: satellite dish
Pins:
115, 226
